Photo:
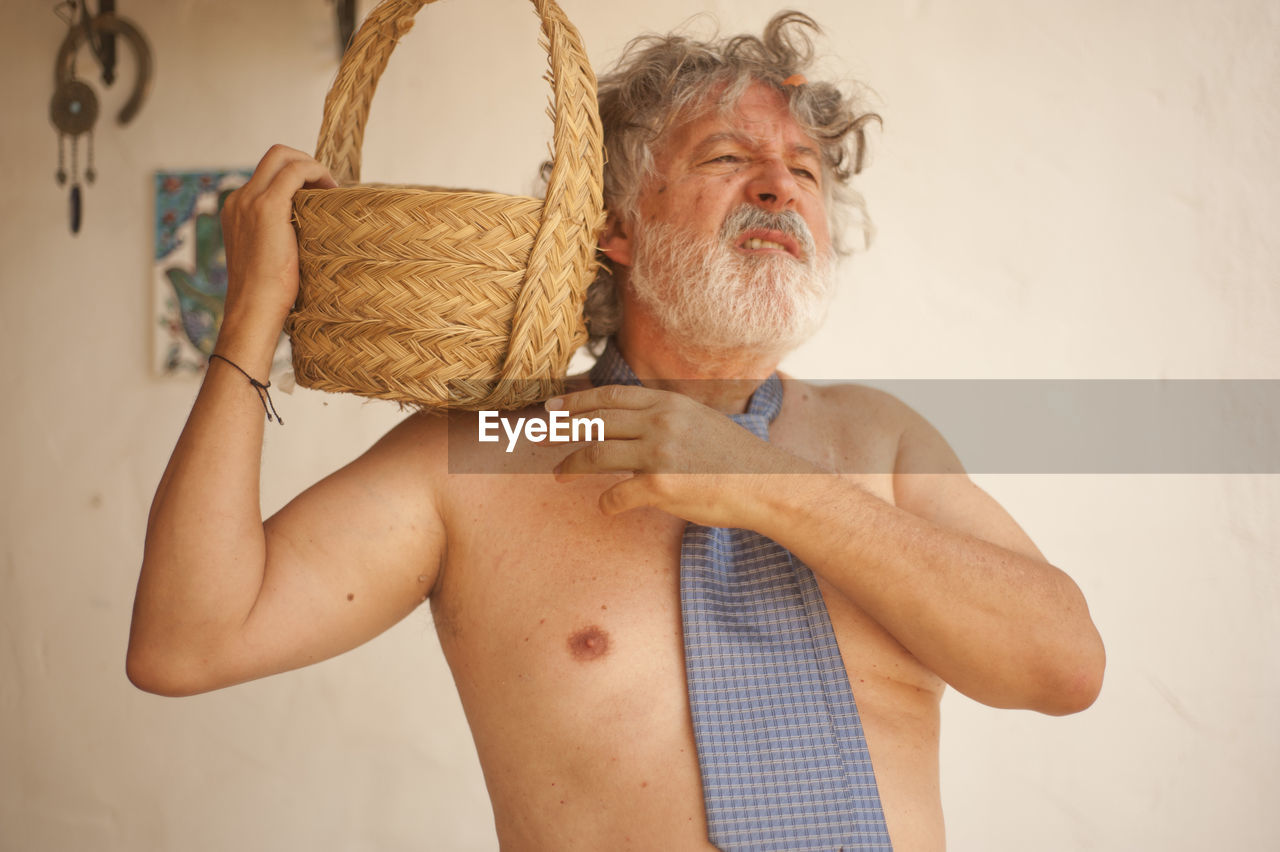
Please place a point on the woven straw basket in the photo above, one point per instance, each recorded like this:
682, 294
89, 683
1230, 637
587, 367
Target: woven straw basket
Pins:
439, 298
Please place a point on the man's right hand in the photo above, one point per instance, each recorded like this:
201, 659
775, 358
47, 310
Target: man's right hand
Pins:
262, 248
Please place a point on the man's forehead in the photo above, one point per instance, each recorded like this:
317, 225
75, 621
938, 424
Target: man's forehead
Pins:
759, 118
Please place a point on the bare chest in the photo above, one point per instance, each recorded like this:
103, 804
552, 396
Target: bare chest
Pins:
539, 585
562, 628
544, 598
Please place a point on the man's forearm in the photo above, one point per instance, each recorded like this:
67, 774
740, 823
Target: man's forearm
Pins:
1004, 628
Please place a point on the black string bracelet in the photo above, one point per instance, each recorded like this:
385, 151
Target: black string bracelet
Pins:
264, 396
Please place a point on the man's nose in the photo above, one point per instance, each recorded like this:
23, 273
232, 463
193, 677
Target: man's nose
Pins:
773, 186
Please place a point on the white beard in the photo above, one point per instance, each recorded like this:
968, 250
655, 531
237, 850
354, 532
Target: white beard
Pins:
707, 295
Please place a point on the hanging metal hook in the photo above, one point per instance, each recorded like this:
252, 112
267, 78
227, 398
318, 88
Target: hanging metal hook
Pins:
103, 44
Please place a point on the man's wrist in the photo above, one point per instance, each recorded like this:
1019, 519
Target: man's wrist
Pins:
252, 345
778, 491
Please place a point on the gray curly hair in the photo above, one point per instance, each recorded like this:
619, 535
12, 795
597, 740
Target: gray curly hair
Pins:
663, 80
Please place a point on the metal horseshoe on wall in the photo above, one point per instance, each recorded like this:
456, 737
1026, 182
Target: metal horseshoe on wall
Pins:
109, 23
74, 106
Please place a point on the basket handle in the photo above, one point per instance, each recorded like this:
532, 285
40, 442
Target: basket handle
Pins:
563, 252
346, 107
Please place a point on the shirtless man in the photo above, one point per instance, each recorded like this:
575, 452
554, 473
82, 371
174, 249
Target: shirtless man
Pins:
555, 586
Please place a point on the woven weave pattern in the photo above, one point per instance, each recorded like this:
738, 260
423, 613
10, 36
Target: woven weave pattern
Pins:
444, 298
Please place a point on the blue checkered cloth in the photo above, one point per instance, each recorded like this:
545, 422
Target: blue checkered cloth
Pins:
784, 761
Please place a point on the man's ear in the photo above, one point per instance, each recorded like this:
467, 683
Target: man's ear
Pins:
615, 241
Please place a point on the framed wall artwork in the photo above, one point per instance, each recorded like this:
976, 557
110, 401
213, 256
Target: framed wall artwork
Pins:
189, 276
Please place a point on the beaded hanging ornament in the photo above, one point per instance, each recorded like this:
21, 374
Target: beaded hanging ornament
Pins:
73, 110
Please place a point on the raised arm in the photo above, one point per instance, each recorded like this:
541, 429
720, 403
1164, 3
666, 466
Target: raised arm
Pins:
222, 597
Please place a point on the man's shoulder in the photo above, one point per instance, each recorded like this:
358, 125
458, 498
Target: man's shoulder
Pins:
486, 441
859, 405
918, 446
422, 428
414, 447
847, 427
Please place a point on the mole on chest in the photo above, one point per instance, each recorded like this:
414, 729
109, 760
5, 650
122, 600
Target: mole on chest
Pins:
589, 643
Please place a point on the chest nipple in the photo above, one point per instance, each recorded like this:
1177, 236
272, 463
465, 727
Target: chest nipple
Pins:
589, 643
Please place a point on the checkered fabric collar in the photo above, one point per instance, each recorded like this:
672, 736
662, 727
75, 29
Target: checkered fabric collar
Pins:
612, 369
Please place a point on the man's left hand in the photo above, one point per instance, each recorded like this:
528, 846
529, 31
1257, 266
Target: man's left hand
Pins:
685, 458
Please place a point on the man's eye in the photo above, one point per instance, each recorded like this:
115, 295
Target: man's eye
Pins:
726, 158
804, 173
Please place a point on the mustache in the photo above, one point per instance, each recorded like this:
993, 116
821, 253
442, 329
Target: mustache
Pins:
748, 217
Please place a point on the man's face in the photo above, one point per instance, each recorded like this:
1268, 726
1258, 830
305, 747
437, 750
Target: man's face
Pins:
755, 154
729, 246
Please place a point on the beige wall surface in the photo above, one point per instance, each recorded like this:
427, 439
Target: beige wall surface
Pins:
1083, 190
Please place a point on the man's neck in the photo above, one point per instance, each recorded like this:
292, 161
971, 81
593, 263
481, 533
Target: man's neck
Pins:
723, 379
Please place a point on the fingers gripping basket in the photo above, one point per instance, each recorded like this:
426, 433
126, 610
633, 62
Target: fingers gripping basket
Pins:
436, 298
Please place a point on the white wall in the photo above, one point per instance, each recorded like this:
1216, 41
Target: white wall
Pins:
1062, 190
